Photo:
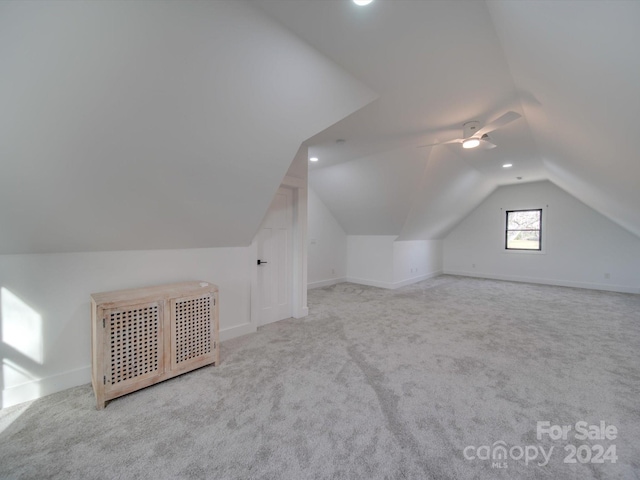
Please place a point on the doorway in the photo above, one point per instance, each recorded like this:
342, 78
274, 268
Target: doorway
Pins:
275, 260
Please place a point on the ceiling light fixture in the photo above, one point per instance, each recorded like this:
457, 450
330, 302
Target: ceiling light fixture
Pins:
470, 143
313, 159
507, 165
362, 3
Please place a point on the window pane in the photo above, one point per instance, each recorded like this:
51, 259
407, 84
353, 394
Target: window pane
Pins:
523, 229
523, 220
523, 240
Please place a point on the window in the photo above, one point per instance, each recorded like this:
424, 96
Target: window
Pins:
524, 230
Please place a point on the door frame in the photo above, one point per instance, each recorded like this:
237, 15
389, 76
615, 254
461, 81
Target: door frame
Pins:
275, 278
298, 276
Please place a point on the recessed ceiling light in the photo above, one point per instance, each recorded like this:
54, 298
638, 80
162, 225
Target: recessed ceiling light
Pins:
313, 159
362, 3
507, 165
470, 143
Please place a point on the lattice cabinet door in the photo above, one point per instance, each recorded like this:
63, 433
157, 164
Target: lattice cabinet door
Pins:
133, 346
194, 331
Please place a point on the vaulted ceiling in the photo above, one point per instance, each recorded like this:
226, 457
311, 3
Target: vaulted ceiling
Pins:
140, 125
148, 124
570, 68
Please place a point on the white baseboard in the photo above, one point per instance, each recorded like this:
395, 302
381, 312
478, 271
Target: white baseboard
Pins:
393, 286
547, 281
326, 283
370, 283
237, 331
303, 313
42, 387
417, 279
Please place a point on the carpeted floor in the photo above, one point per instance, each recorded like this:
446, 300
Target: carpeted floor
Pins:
423, 382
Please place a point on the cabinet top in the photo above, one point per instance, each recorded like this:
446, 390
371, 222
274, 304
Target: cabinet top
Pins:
159, 291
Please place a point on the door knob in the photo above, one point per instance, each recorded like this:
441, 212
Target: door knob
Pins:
260, 262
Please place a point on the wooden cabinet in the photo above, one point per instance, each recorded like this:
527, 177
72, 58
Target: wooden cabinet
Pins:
143, 336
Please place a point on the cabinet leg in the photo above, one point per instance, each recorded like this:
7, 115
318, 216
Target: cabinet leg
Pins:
100, 402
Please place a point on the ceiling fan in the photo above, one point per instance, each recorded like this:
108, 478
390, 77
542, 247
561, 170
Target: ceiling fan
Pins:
473, 136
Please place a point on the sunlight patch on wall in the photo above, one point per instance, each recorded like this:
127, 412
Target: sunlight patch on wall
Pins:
21, 326
19, 384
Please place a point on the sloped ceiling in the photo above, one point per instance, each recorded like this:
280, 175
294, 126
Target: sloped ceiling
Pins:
143, 125
580, 61
570, 68
372, 192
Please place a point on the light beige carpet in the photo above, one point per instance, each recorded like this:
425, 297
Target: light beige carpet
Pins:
420, 383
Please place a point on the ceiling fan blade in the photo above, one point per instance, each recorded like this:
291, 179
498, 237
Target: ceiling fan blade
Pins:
457, 140
498, 123
486, 144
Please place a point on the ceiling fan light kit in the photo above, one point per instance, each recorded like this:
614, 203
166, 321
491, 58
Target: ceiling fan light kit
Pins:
471, 143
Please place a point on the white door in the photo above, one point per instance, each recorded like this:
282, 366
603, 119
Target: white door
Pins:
275, 256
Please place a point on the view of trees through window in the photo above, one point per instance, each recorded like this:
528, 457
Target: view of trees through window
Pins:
524, 228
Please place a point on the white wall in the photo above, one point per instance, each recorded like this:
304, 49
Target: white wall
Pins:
370, 259
580, 246
45, 307
416, 260
327, 260
380, 261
